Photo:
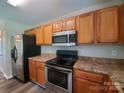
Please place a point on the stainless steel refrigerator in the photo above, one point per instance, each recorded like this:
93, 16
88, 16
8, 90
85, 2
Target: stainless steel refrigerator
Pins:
23, 46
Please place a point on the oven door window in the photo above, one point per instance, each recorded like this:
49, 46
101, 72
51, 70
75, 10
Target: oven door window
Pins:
60, 39
58, 78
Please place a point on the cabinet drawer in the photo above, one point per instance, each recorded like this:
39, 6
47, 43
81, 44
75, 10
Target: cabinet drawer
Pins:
88, 76
40, 65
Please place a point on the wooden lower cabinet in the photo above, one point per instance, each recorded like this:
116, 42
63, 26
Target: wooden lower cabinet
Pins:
111, 86
88, 82
112, 89
85, 86
85, 82
37, 72
40, 76
32, 70
40, 72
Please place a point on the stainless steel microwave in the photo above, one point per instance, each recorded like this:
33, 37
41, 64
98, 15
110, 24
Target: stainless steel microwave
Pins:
64, 38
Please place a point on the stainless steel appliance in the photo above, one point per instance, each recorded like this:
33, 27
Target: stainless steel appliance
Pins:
64, 38
23, 46
59, 71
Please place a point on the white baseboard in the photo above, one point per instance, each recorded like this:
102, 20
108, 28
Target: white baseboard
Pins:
7, 77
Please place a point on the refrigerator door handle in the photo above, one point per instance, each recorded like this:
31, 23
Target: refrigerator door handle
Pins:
16, 54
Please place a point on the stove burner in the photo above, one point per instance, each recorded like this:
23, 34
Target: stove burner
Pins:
65, 58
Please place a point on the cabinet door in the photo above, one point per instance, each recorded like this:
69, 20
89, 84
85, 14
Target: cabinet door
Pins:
107, 25
84, 86
39, 36
41, 76
40, 73
32, 70
86, 28
48, 34
57, 26
121, 19
69, 24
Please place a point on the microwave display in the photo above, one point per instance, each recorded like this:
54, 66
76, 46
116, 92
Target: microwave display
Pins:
72, 38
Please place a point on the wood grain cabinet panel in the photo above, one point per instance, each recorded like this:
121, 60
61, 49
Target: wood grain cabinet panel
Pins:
69, 24
32, 70
86, 29
85, 82
58, 26
121, 17
37, 72
39, 36
48, 34
89, 76
107, 25
40, 73
30, 32
85, 86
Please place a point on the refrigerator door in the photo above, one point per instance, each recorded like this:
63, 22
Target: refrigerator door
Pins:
18, 62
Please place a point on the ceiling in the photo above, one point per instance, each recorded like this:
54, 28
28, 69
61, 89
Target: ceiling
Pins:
33, 12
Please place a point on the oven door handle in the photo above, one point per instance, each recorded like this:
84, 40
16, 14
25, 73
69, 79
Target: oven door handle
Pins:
59, 69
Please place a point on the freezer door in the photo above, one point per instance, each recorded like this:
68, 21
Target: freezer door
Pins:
19, 65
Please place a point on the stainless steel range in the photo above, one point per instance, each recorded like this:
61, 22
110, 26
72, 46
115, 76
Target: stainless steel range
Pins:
59, 71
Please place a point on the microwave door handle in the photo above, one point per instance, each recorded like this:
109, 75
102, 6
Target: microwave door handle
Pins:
68, 39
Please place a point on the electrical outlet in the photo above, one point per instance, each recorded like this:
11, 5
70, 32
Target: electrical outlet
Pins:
114, 53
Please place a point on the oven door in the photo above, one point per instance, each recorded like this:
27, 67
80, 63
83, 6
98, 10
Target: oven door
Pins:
59, 77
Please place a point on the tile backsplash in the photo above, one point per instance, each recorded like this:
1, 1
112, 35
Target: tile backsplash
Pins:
106, 51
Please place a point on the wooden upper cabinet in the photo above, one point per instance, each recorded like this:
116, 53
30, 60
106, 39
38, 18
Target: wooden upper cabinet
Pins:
69, 24
39, 36
30, 32
121, 13
107, 25
48, 34
85, 24
58, 26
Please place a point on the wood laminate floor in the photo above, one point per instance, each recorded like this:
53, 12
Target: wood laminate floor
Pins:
15, 86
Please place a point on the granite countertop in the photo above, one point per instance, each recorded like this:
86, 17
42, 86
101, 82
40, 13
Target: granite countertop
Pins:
43, 57
112, 67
